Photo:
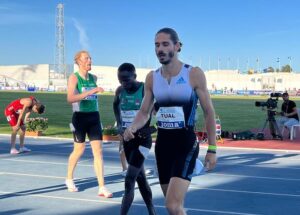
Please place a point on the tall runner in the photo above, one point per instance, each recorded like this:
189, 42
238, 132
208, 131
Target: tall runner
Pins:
82, 93
175, 87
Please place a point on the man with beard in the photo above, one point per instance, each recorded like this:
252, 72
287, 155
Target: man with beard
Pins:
175, 87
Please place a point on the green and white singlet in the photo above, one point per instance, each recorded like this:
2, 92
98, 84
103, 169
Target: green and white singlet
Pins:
89, 103
130, 103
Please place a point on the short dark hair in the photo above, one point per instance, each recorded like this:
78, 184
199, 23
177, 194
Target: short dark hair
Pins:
40, 108
173, 35
285, 94
127, 67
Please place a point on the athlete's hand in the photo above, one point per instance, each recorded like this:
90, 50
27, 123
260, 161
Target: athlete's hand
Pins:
99, 90
96, 90
210, 161
16, 127
129, 133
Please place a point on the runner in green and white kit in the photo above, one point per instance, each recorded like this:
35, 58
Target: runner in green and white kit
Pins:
82, 93
127, 102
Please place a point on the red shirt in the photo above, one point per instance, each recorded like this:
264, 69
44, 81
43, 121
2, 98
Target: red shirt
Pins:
15, 106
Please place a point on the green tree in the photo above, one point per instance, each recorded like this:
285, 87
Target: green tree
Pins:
287, 68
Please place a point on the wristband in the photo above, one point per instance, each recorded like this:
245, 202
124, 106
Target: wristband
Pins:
212, 147
211, 151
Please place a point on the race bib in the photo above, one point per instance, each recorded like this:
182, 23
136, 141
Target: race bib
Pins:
90, 97
170, 118
127, 117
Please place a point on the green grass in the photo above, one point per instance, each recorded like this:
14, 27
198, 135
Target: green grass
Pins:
236, 112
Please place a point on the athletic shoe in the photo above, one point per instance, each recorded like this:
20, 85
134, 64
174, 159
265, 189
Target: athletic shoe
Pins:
124, 173
103, 191
71, 186
24, 149
14, 151
148, 171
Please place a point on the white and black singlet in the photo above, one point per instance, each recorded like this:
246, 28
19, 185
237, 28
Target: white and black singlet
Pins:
176, 147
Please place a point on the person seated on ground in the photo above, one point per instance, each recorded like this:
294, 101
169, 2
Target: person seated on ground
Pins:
289, 114
17, 113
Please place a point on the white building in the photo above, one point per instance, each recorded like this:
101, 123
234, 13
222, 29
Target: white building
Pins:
40, 76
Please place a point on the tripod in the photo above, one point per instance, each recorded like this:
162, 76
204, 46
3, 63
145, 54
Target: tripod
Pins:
274, 129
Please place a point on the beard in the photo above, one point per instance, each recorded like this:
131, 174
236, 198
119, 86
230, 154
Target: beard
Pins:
165, 59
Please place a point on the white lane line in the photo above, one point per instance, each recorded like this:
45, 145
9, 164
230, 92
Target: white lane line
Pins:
244, 191
192, 186
68, 153
36, 161
256, 177
86, 160
257, 165
53, 163
119, 203
254, 149
33, 175
48, 176
114, 167
77, 180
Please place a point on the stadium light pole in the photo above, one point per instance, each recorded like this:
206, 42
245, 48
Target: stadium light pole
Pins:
278, 61
228, 62
208, 63
59, 61
290, 60
218, 64
257, 64
238, 64
247, 64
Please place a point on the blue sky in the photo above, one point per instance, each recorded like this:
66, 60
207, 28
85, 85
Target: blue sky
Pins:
237, 32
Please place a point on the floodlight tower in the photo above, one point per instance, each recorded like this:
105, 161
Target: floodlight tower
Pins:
59, 64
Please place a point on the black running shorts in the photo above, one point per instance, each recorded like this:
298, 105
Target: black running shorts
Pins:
176, 151
86, 123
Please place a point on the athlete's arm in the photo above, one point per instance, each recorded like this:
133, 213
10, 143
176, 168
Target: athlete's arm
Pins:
198, 82
72, 93
26, 102
145, 111
116, 108
27, 116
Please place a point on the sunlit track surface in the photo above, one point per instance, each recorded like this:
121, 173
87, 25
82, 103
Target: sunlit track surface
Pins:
244, 182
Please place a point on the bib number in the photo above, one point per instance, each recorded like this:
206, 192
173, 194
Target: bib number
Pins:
127, 117
170, 118
90, 97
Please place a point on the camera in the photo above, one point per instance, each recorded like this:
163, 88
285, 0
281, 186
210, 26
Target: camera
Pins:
271, 103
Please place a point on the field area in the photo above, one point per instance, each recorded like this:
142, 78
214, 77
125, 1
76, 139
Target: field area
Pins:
237, 113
